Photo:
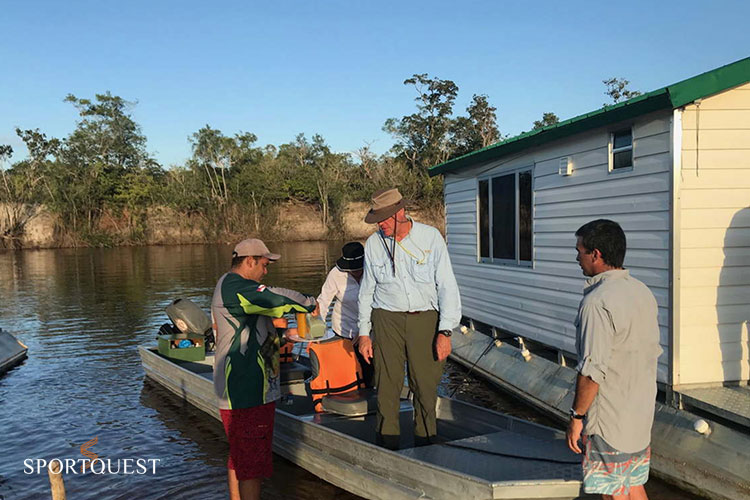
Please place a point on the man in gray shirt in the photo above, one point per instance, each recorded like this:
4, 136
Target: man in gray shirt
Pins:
617, 339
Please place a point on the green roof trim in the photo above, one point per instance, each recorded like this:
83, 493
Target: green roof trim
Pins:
672, 96
710, 83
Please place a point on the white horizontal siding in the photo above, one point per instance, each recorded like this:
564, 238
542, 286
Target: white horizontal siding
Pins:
461, 215
541, 302
715, 239
646, 240
621, 205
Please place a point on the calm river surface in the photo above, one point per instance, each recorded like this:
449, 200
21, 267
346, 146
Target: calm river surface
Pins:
82, 313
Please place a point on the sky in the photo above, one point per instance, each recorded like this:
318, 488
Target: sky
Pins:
337, 67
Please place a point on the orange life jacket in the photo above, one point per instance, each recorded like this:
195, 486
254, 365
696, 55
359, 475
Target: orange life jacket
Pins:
285, 353
335, 369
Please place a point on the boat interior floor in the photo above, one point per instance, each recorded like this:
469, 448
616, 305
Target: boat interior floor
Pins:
470, 439
503, 456
492, 449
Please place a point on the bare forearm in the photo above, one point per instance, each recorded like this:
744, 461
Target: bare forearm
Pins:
586, 390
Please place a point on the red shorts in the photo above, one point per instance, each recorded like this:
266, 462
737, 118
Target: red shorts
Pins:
250, 434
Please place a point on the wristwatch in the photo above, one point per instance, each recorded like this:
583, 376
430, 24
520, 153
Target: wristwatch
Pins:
575, 415
447, 333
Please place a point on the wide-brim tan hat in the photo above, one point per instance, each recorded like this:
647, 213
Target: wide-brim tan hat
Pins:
253, 247
385, 203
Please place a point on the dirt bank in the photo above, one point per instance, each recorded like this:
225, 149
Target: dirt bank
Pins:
164, 226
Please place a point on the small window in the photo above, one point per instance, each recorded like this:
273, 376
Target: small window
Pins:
505, 218
621, 150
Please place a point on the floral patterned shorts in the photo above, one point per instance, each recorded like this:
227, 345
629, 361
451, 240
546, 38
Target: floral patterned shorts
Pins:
607, 471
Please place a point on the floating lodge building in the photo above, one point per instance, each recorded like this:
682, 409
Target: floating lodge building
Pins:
672, 167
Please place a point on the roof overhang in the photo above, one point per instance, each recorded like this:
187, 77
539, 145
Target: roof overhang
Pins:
671, 97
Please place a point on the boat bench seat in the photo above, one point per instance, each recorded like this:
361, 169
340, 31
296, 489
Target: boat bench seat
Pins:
294, 372
354, 403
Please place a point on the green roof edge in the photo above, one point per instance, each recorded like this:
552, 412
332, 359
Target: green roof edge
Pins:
672, 96
710, 82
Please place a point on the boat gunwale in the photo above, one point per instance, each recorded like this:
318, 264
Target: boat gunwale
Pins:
321, 435
13, 361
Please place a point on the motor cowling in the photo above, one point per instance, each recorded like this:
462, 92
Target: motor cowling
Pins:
188, 317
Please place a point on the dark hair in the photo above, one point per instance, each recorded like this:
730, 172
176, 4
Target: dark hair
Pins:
237, 261
606, 236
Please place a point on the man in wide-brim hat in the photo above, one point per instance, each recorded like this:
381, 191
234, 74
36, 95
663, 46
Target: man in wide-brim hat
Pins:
409, 300
385, 204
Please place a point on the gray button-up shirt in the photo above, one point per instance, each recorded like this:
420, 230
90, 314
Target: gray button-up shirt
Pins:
617, 339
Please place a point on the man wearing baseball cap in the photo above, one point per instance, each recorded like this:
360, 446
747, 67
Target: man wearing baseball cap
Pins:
246, 362
409, 299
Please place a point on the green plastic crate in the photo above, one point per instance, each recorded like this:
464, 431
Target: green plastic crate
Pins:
167, 347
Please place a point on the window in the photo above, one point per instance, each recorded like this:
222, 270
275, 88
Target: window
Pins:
621, 150
505, 218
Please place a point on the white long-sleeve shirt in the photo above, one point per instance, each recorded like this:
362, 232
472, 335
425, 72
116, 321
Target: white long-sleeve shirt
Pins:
342, 287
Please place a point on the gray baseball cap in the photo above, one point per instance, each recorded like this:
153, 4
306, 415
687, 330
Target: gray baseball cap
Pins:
253, 247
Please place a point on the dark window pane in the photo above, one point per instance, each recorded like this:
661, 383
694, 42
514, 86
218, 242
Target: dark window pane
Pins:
524, 215
484, 218
623, 139
623, 159
504, 217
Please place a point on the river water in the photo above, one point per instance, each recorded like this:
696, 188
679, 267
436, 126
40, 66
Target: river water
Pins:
82, 313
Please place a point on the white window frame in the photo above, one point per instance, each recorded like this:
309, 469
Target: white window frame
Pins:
613, 150
517, 262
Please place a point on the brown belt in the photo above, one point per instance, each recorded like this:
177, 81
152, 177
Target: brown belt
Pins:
409, 312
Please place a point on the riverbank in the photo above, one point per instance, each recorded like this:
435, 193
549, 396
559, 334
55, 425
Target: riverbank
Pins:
293, 221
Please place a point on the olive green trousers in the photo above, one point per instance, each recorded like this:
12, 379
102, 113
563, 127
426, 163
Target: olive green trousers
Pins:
405, 338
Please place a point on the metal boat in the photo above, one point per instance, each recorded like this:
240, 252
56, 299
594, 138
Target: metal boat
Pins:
480, 454
12, 352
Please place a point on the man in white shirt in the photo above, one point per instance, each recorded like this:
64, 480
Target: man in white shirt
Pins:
342, 285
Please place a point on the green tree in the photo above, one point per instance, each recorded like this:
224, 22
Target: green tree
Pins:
423, 138
6, 152
478, 129
547, 120
138, 191
10, 226
316, 174
617, 90
257, 182
35, 172
26, 183
238, 182
183, 191
97, 160
212, 154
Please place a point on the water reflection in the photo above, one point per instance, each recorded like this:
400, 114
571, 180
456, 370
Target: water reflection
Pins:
82, 313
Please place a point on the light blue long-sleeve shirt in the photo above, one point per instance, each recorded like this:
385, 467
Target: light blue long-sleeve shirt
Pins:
423, 280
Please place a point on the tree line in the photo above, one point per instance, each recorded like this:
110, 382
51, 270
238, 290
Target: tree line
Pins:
102, 170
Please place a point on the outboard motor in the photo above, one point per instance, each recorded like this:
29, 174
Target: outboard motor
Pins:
187, 317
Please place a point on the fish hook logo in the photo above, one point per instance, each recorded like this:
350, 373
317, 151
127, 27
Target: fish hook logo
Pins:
89, 454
